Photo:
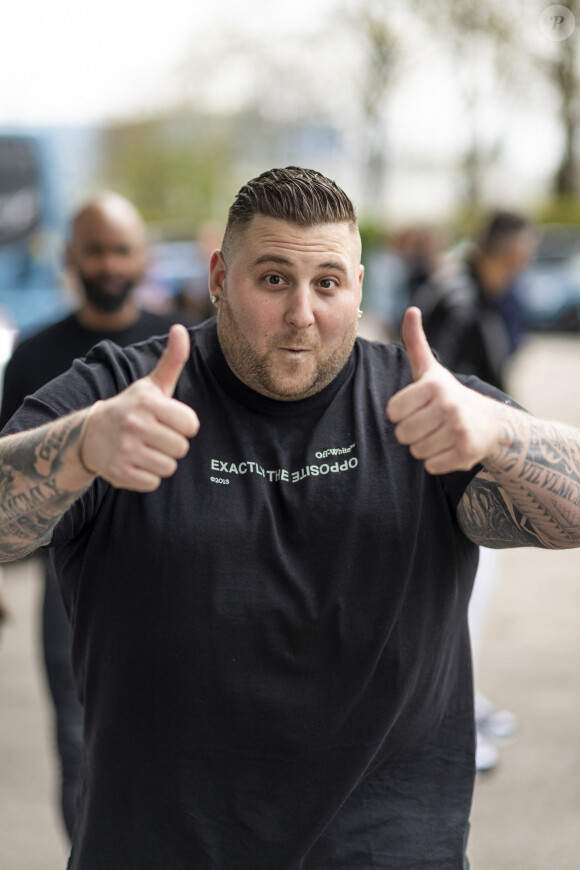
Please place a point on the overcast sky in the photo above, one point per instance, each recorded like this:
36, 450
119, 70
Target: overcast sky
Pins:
78, 61
87, 61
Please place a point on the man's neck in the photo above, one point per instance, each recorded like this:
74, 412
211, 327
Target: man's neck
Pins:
106, 321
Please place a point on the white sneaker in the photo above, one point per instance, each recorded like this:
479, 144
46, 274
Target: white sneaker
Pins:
498, 727
486, 755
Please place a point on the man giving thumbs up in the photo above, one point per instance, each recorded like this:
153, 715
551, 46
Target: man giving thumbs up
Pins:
270, 631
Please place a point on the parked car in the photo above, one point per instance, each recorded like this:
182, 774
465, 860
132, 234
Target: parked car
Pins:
549, 290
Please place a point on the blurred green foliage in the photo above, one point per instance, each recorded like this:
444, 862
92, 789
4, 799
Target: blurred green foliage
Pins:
178, 182
559, 210
373, 234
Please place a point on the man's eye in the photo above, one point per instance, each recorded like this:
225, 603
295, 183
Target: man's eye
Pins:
274, 280
328, 283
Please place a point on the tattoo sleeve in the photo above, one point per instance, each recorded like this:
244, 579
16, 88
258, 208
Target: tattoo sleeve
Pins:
37, 485
529, 493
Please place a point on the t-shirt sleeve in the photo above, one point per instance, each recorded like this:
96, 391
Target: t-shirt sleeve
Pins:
105, 372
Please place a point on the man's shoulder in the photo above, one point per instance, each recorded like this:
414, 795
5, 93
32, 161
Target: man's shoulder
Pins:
385, 365
157, 322
138, 357
154, 323
379, 352
46, 336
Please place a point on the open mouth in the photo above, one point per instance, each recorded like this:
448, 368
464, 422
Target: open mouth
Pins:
295, 352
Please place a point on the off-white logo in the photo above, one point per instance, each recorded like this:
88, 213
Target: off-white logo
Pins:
334, 451
225, 468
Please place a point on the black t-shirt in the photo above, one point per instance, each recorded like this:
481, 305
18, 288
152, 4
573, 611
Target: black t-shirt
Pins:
272, 648
48, 353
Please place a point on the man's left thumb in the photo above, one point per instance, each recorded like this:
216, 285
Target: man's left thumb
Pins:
416, 344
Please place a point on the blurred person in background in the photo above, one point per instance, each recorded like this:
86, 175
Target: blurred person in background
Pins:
106, 256
192, 298
386, 293
473, 320
469, 305
394, 270
420, 248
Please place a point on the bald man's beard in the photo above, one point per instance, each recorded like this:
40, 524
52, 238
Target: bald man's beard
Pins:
105, 301
257, 371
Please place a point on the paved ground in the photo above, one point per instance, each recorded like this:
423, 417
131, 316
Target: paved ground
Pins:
526, 814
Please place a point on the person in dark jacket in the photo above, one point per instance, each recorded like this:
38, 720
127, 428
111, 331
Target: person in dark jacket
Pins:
472, 318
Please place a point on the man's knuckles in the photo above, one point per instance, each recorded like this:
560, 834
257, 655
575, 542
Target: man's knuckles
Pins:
149, 399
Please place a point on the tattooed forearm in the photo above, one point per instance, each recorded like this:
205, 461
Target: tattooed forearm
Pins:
49, 453
529, 493
491, 519
36, 488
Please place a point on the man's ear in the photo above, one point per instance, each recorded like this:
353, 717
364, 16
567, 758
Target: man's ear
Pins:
217, 276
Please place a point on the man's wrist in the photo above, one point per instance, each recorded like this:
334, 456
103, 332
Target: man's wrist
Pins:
82, 439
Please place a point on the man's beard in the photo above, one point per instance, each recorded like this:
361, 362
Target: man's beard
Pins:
103, 300
256, 370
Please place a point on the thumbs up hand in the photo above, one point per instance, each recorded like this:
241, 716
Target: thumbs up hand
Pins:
444, 423
135, 439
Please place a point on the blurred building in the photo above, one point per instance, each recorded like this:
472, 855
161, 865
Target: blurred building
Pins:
42, 170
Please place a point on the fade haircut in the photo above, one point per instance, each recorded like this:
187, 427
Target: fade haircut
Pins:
300, 196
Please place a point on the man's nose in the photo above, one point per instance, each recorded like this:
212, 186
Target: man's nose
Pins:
112, 263
300, 312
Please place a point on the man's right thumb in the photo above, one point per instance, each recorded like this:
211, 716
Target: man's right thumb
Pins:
173, 359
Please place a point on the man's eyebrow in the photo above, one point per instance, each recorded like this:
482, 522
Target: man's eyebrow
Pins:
271, 258
335, 265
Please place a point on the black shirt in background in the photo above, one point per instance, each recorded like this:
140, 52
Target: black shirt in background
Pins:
46, 354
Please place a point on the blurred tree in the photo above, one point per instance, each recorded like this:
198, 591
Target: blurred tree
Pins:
339, 74
559, 60
381, 52
335, 85
521, 53
176, 170
485, 50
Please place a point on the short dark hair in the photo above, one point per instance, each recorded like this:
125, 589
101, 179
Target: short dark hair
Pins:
500, 228
301, 196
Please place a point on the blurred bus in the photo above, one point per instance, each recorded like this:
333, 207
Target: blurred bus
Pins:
31, 226
42, 170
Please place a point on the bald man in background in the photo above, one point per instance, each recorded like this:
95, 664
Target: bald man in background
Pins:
107, 258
